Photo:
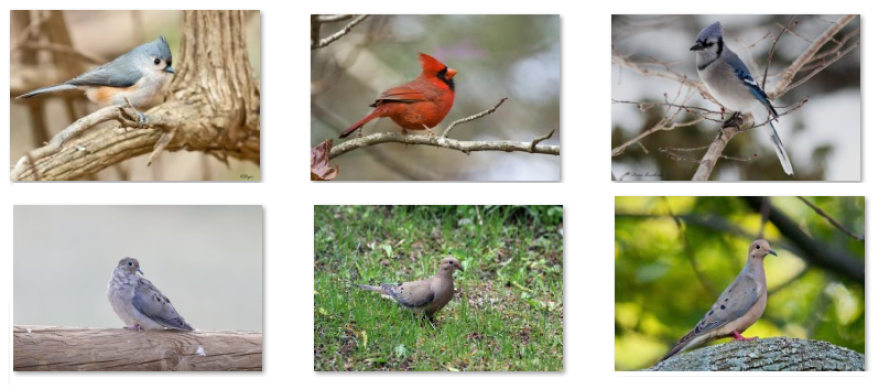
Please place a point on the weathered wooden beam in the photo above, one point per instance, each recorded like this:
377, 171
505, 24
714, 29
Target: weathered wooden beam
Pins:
51, 348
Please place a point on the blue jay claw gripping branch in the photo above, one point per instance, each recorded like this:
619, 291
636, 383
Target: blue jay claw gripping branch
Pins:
730, 82
139, 75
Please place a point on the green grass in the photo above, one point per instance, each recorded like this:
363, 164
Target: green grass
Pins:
507, 313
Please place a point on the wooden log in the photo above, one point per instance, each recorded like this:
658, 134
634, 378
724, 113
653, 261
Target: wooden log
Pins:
51, 348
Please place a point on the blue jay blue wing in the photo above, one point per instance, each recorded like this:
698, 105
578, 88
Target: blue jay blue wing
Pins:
109, 75
755, 89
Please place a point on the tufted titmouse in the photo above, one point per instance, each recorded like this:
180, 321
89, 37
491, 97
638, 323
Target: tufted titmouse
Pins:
139, 75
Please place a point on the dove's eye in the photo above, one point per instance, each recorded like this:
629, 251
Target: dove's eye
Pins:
450, 262
130, 263
757, 247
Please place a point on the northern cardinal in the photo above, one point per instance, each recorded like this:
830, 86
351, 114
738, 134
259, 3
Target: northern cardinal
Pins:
418, 105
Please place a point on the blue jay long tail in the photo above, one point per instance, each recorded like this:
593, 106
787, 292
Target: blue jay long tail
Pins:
40, 91
779, 149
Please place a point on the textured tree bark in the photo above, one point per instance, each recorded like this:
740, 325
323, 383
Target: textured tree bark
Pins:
46, 348
767, 354
213, 107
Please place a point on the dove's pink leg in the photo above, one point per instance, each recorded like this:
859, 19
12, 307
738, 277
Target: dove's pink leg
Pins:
137, 327
739, 337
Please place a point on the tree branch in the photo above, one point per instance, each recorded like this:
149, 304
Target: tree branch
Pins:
767, 354
715, 150
52, 348
470, 118
807, 55
832, 221
316, 23
819, 253
452, 144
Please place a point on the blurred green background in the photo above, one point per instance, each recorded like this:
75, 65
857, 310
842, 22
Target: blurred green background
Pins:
207, 259
496, 56
675, 255
507, 310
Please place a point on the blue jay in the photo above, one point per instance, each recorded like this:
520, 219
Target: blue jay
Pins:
729, 81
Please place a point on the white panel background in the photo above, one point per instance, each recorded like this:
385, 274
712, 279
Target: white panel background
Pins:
586, 191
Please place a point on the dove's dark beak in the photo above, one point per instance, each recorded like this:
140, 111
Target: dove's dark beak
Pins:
139, 270
460, 268
773, 253
697, 47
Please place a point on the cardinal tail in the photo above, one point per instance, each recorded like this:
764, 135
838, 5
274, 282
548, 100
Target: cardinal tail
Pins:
373, 115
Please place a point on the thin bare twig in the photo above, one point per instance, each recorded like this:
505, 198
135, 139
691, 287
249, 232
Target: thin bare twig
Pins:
470, 118
790, 72
820, 68
772, 50
536, 141
337, 35
333, 18
832, 221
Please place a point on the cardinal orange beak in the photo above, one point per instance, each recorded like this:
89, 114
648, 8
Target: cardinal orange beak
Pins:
451, 73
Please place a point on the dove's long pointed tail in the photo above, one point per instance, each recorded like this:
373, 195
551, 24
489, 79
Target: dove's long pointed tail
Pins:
688, 341
377, 289
779, 149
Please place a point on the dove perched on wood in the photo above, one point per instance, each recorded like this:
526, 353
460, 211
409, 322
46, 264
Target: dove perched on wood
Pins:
138, 303
424, 297
738, 307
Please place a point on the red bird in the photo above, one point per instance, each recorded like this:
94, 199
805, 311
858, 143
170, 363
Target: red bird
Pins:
418, 105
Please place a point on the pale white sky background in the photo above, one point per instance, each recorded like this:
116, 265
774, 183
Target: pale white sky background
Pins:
208, 260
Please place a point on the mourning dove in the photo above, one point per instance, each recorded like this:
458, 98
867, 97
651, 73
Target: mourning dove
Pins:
138, 303
738, 307
424, 297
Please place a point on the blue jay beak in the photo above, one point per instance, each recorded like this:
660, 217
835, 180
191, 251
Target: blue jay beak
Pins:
697, 47
169, 69
139, 270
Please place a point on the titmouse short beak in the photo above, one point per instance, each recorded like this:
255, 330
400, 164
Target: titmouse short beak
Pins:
697, 47
773, 253
169, 69
139, 270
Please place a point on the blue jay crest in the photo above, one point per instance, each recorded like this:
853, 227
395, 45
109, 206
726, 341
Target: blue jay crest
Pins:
713, 30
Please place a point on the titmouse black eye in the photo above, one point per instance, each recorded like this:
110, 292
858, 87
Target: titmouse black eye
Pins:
157, 61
